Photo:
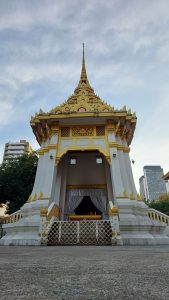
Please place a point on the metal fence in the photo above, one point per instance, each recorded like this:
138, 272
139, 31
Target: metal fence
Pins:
80, 233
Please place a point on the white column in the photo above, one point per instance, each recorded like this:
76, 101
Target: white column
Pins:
54, 184
124, 204
129, 172
62, 199
123, 168
46, 176
42, 174
56, 197
109, 182
49, 168
38, 173
117, 183
116, 174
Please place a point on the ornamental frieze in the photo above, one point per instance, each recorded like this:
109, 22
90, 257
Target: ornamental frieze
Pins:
82, 131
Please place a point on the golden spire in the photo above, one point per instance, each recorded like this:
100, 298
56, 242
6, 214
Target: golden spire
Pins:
83, 76
83, 82
84, 98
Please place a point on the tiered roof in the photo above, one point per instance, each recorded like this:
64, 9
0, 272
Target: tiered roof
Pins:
84, 103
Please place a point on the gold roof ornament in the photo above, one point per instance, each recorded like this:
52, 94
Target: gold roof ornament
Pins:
83, 104
84, 98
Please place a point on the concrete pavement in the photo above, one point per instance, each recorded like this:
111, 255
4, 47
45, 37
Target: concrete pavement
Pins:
80, 272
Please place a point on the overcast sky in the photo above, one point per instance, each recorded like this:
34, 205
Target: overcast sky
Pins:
127, 58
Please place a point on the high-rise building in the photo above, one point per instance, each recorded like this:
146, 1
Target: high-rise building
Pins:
13, 150
152, 185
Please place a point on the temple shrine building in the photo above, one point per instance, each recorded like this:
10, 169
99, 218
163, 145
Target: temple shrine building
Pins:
84, 190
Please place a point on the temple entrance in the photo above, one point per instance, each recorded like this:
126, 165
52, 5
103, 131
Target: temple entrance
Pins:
87, 207
84, 186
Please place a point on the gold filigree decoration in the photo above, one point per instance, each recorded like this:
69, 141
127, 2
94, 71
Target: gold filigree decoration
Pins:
100, 130
65, 131
83, 131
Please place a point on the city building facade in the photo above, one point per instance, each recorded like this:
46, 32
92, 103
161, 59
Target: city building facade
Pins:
152, 185
13, 150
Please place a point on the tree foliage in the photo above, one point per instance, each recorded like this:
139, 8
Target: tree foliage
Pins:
16, 181
162, 204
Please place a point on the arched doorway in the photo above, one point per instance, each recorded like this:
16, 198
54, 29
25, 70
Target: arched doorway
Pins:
87, 207
83, 174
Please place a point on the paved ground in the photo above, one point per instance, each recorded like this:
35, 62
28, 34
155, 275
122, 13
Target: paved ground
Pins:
84, 273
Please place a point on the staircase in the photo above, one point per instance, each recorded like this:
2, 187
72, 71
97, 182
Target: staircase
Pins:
80, 233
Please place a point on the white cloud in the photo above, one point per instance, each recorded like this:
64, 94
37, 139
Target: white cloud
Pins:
6, 113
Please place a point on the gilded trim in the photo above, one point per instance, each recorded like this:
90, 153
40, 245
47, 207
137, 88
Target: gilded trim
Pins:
132, 196
53, 213
119, 147
113, 145
113, 211
85, 217
37, 197
96, 186
43, 212
52, 146
47, 149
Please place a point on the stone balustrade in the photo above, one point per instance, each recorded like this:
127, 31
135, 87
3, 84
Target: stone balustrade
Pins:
156, 215
13, 218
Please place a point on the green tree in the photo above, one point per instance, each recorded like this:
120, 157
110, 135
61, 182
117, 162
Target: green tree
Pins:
162, 204
16, 181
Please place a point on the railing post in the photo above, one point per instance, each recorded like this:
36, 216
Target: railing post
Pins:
78, 232
60, 230
97, 230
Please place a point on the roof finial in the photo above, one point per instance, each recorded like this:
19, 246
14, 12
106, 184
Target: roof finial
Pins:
83, 73
83, 55
83, 82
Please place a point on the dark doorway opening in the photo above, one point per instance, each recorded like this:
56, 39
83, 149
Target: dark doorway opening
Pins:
87, 207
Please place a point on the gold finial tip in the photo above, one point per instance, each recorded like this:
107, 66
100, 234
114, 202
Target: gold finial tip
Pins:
83, 72
83, 53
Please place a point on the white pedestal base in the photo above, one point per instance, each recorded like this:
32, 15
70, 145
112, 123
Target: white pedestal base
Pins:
25, 232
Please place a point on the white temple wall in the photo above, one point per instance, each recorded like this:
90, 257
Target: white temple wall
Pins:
54, 139
111, 137
86, 171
